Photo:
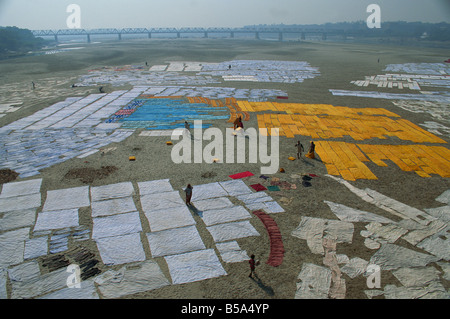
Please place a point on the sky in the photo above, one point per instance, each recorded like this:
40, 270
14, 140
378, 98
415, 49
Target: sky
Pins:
51, 14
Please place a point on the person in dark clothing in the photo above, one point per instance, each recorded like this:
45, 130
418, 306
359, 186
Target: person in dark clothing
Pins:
188, 192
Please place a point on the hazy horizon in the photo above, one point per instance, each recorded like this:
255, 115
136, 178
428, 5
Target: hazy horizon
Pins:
51, 14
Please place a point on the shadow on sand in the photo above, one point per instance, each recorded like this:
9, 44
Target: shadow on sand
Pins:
194, 209
267, 289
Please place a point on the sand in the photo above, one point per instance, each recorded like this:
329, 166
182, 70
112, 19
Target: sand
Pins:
339, 64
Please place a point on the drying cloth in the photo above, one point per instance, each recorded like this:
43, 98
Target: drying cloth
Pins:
121, 249
273, 188
17, 219
230, 231
116, 225
171, 217
211, 203
12, 244
131, 279
276, 243
35, 247
67, 198
87, 291
235, 187
112, 191
224, 215
206, 191
161, 201
241, 175
315, 282
175, 241
254, 198
157, 186
56, 219
230, 252
21, 188
19, 203
194, 266
258, 187
113, 206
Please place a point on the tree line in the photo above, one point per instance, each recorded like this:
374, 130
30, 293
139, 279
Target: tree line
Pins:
15, 41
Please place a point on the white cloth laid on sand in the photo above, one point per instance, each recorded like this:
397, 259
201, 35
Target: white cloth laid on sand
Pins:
224, 215
110, 191
194, 266
230, 252
116, 225
233, 230
171, 217
175, 241
121, 249
60, 199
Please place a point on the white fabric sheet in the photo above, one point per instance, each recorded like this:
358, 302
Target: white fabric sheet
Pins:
171, 217
175, 241
160, 201
230, 252
56, 219
17, 219
391, 256
194, 266
224, 215
112, 191
67, 198
254, 198
212, 203
157, 186
21, 188
39, 284
230, 231
315, 282
113, 206
87, 290
235, 187
131, 279
205, 191
116, 225
121, 249
36, 247
12, 245
17, 203
349, 214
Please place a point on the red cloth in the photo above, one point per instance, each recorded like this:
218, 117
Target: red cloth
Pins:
258, 187
276, 243
282, 97
124, 112
241, 175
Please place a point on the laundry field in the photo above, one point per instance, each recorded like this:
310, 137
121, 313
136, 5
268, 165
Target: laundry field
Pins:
92, 203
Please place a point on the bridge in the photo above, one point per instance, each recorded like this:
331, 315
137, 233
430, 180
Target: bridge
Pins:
205, 31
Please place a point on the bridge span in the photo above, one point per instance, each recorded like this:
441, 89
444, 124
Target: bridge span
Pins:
178, 32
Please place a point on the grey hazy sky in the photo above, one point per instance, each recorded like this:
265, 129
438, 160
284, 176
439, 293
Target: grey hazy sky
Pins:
51, 14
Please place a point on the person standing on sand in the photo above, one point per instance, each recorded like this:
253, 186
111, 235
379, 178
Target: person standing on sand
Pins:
300, 149
188, 192
310, 153
253, 263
